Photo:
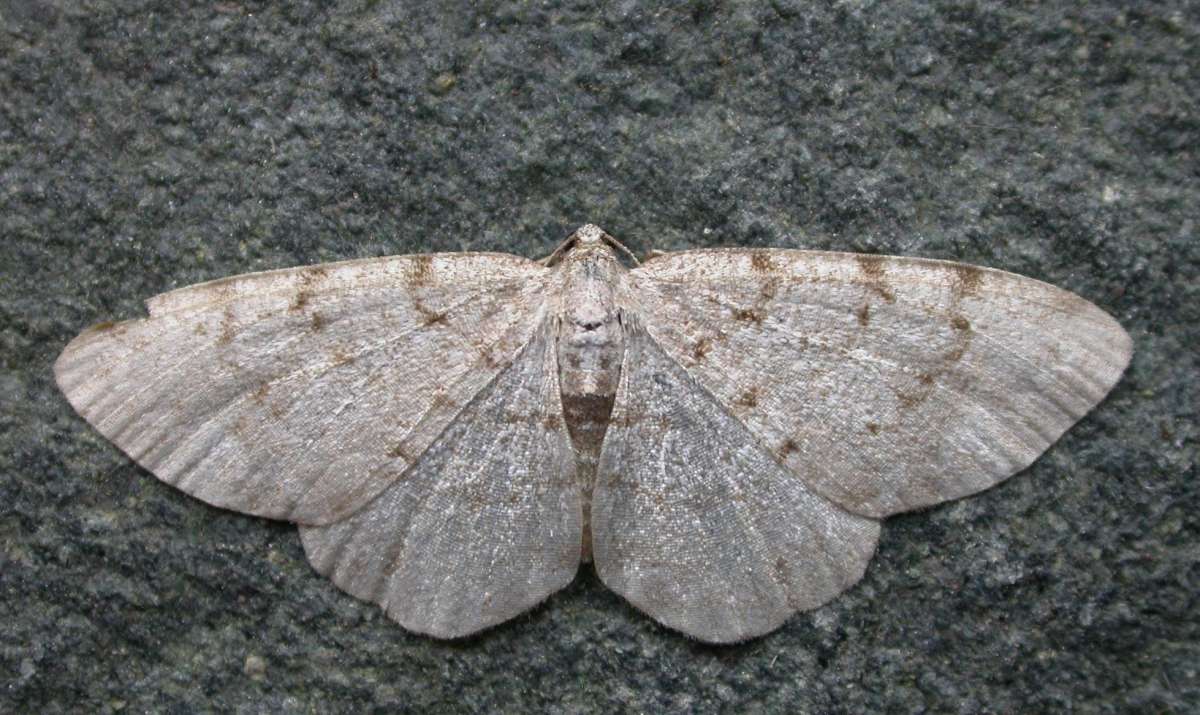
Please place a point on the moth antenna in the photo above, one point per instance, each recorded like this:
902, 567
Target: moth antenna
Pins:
558, 252
621, 248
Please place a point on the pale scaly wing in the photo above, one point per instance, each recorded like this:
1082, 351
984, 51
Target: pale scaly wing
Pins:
302, 393
486, 524
885, 384
697, 524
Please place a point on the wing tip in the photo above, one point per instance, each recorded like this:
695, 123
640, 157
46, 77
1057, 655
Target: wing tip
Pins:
76, 368
67, 367
61, 370
1113, 347
1124, 348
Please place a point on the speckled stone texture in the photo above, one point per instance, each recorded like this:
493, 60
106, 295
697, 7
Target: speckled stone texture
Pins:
144, 148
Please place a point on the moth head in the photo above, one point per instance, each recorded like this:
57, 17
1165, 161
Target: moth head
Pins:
589, 239
590, 234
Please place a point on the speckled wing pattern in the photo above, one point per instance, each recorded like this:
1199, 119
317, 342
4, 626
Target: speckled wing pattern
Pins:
302, 393
484, 525
776, 403
885, 383
698, 525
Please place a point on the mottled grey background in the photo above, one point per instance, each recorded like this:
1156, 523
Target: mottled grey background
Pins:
143, 148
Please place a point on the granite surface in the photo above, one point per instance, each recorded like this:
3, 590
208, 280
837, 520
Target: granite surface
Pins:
144, 147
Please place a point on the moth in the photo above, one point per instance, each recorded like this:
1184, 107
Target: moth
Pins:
720, 431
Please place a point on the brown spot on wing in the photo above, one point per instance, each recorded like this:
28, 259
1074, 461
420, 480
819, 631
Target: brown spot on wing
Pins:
864, 314
871, 266
318, 322
701, 348
788, 447
749, 315
874, 275
421, 271
967, 279
768, 290
429, 318
910, 398
749, 398
943, 364
241, 427
486, 354
301, 299
305, 291
873, 427
552, 422
341, 357
260, 395
227, 330
760, 262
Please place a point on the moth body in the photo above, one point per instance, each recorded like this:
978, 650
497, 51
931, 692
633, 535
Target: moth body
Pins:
590, 350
